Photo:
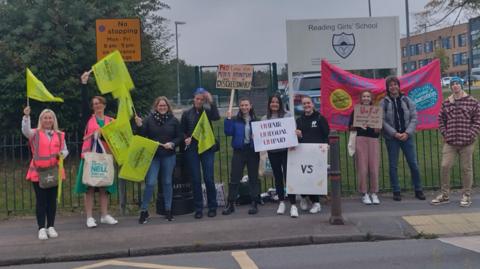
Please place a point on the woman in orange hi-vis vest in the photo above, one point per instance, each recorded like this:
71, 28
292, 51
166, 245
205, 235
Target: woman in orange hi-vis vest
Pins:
92, 131
47, 144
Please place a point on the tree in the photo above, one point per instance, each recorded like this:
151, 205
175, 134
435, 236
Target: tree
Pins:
441, 54
56, 40
437, 12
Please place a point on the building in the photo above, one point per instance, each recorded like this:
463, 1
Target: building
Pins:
454, 39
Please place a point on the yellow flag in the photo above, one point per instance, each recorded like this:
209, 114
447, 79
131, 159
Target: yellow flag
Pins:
139, 157
60, 179
125, 106
37, 91
118, 135
203, 133
111, 74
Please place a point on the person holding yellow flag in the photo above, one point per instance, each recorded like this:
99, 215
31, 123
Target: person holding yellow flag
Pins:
48, 145
240, 128
202, 102
161, 126
92, 132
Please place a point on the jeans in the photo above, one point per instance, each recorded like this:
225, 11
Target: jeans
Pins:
165, 165
206, 159
408, 147
241, 158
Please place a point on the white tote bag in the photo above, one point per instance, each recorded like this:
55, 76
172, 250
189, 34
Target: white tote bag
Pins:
98, 169
351, 142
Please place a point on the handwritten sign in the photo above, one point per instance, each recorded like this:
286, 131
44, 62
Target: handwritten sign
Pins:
119, 34
368, 116
274, 134
234, 76
307, 169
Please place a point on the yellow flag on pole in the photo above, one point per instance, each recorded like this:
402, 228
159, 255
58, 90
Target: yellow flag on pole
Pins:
203, 133
125, 106
139, 157
37, 91
112, 75
118, 135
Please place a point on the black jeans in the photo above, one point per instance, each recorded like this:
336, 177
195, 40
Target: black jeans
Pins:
241, 158
278, 161
46, 205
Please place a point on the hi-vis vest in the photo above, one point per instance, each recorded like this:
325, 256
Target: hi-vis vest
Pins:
92, 126
45, 152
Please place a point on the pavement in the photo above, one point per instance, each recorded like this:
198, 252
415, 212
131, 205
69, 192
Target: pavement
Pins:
390, 220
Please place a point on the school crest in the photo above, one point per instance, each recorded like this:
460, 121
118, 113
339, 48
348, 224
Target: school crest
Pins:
343, 44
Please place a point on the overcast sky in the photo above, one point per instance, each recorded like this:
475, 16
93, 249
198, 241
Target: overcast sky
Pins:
253, 31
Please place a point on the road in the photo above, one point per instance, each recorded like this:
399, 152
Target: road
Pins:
455, 252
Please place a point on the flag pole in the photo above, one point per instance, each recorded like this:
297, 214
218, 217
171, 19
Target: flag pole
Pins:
232, 95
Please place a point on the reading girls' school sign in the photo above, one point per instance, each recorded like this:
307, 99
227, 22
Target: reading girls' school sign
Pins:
368, 116
274, 134
119, 34
307, 169
238, 76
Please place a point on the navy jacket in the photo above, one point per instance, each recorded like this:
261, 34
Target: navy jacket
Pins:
236, 129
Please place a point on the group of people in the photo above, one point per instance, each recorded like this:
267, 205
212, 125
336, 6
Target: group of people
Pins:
459, 126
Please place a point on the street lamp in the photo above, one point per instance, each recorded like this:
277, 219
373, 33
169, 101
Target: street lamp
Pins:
178, 65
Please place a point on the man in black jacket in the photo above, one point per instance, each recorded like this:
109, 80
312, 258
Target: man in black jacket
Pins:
202, 101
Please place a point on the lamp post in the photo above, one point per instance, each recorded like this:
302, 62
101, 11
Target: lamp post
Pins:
178, 65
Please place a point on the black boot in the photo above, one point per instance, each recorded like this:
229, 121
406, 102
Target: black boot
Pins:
419, 195
253, 208
168, 215
229, 208
143, 217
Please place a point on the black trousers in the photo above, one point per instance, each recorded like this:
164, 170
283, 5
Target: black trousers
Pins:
241, 158
46, 206
278, 161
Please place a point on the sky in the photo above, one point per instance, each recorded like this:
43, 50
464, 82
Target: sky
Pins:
253, 31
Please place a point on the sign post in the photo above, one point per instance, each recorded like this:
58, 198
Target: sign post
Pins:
236, 76
119, 34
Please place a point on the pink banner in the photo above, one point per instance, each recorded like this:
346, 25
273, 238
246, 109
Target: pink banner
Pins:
341, 91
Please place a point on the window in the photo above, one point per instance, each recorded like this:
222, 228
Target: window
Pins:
412, 50
418, 48
413, 66
404, 52
405, 68
462, 40
423, 62
428, 46
459, 59
446, 43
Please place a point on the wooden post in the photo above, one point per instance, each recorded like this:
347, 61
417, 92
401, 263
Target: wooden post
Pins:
232, 95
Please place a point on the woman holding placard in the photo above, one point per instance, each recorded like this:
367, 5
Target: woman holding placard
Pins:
312, 127
92, 138
367, 155
161, 126
243, 155
48, 146
278, 158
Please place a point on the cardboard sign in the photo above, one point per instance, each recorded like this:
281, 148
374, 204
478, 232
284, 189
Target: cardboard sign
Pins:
368, 116
234, 76
307, 169
274, 134
119, 34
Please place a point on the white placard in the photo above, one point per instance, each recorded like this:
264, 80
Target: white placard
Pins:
274, 134
307, 169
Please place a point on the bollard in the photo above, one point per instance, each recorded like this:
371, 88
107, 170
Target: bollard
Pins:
335, 180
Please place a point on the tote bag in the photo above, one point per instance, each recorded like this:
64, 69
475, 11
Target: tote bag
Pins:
98, 169
352, 139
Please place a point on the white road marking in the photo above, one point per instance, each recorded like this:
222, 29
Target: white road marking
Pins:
467, 242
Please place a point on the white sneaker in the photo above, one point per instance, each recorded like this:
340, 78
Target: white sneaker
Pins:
281, 208
293, 211
303, 204
316, 208
366, 199
42, 234
91, 223
375, 199
108, 220
52, 233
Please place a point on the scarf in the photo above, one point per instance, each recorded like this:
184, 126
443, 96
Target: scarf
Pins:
159, 118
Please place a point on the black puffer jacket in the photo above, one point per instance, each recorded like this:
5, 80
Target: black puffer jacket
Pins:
170, 131
190, 118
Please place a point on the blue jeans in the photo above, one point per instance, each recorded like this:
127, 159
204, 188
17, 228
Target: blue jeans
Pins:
165, 165
206, 159
408, 147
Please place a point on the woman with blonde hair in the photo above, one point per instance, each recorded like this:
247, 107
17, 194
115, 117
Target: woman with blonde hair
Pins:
48, 146
161, 126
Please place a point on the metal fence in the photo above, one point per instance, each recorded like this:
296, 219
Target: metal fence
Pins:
16, 194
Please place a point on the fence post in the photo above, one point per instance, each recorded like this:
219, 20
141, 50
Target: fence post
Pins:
335, 180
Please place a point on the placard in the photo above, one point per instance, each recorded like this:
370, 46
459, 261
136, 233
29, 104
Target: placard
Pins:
368, 116
235, 76
307, 169
274, 134
119, 34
